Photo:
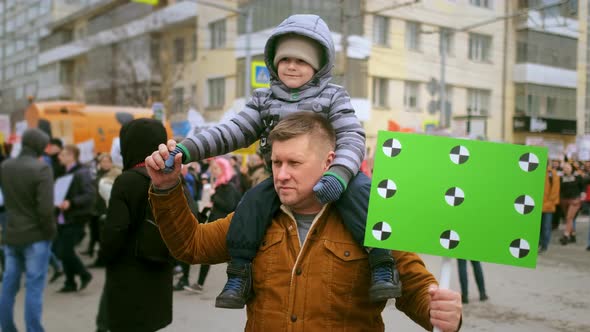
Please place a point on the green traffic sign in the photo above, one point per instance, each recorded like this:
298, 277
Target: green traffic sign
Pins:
457, 198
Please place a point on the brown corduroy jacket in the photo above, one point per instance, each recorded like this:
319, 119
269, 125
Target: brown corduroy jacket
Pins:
321, 285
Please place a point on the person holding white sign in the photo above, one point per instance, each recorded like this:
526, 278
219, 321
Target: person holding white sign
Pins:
309, 272
74, 212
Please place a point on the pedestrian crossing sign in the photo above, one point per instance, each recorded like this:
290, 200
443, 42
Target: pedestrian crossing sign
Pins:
259, 74
457, 198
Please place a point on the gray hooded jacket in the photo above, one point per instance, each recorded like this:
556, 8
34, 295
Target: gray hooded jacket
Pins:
27, 185
268, 106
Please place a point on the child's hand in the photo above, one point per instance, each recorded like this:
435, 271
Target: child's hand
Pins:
328, 189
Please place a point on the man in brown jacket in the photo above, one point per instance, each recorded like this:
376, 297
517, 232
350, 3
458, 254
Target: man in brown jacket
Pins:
309, 273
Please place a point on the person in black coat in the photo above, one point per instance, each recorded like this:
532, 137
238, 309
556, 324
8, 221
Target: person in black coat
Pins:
138, 293
74, 212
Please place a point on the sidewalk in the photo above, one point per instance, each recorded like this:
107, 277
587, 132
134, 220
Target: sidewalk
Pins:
554, 297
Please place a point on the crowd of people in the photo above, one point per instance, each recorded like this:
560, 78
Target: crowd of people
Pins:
290, 224
567, 196
215, 186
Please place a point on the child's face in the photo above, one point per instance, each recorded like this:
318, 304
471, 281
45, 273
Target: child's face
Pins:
294, 73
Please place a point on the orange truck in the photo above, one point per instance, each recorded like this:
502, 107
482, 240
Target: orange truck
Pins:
76, 122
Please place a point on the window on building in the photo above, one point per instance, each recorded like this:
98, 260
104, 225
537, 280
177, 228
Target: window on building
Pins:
551, 104
194, 95
178, 100
31, 65
10, 25
195, 45
480, 47
540, 100
20, 19
9, 72
10, 48
179, 50
19, 92
447, 38
155, 51
31, 89
45, 7
478, 102
216, 88
481, 3
20, 44
411, 95
19, 69
381, 30
217, 29
33, 11
380, 92
413, 36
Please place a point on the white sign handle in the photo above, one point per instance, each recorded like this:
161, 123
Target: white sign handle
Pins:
445, 278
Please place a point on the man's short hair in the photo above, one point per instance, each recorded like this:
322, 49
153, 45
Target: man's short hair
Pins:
57, 142
74, 150
303, 123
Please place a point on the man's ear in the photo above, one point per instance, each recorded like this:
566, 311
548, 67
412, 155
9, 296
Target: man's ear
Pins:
329, 159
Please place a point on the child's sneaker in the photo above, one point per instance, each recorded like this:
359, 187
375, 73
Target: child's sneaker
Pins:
385, 283
238, 288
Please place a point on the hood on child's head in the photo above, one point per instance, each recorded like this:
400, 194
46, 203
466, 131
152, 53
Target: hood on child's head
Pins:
304, 25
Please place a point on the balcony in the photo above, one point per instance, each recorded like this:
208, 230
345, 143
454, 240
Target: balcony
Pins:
544, 75
57, 91
159, 20
555, 24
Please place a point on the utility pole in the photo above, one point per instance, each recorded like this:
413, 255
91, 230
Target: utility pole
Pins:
444, 117
248, 62
247, 13
344, 41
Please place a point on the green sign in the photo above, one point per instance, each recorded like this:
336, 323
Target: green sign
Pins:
457, 198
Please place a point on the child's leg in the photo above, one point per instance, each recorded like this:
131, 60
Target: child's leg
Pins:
246, 231
249, 223
353, 206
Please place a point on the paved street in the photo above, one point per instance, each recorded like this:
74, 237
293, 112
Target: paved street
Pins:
554, 297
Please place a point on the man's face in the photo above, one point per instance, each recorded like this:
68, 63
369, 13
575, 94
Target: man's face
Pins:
294, 73
297, 166
52, 149
65, 157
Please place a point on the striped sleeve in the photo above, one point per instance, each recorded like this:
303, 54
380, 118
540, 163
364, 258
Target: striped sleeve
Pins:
350, 136
239, 132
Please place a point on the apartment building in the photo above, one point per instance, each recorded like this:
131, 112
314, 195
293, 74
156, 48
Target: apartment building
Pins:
508, 67
117, 52
22, 24
546, 83
406, 66
392, 55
